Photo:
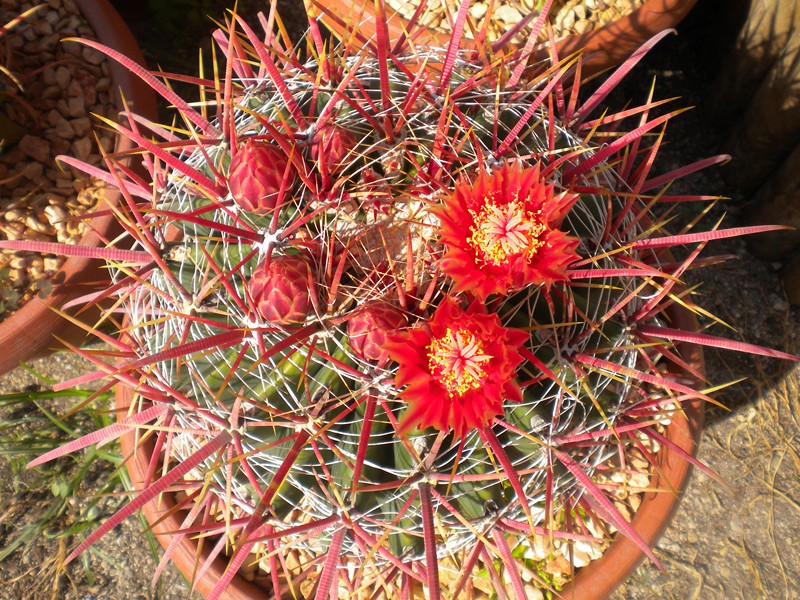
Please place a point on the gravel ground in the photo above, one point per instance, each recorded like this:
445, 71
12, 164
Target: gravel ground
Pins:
725, 542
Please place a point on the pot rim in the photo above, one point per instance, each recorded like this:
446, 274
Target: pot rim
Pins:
603, 48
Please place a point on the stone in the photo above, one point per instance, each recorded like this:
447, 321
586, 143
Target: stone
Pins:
51, 92
507, 14
580, 558
59, 146
49, 76
82, 148
64, 129
477, 11
51, 16
43, 28
33, 171
568, 21
35, 147
93, 57
63, 77
533, 593
76, 106
13, 231
81, 126
52, 117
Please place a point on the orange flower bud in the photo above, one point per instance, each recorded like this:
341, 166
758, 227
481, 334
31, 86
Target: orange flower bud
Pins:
331, 147
370, 326
255, 176
281, 289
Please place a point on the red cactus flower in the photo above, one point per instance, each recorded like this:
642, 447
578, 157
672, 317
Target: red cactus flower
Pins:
369, 328
281, 289
331, 147
501, 232
255, 176
457, 368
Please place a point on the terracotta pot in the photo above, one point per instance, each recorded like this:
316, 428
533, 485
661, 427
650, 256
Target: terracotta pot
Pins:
601, 577
593, 582
604, 47
164, 520
32, 330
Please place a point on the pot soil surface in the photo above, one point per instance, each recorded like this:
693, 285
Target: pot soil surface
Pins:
62, 86
567, 17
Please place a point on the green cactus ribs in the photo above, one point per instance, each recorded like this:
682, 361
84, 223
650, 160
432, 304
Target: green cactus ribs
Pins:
326, 243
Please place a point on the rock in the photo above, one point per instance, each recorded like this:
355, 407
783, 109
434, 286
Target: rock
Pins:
52, 264
16, 42
638, 480
58, 146
93, 57
580, 558
477, 11
63, 77
49, 76
76, 106
14, 215
13, 231
36, 225
51, 92
64, 129
568, 22
74, 88
507, 14
533, 593
52, 117
88, 86
55, 214
82, 148
33, 171
35, 147
51, 16
27, 34
81, 126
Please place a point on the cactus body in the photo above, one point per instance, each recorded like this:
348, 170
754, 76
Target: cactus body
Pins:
320, 379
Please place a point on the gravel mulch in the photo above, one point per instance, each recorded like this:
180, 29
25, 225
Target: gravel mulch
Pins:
61, 85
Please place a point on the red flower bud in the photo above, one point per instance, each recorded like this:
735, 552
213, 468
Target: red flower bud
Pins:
368, 329
331, 147
255, 176
281, 289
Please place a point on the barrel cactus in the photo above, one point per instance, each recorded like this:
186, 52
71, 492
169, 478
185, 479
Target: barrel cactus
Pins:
389, 308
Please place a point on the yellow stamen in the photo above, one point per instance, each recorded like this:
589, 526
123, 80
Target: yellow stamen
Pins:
500, 232
456, 359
